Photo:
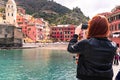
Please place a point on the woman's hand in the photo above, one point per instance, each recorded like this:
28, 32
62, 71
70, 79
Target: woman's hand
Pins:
78, 29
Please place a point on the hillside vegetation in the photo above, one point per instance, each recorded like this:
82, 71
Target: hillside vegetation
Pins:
53, 12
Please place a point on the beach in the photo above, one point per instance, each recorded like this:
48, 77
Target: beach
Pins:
56, 45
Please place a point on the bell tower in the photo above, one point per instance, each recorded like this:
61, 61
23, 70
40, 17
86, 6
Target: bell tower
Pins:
11, 12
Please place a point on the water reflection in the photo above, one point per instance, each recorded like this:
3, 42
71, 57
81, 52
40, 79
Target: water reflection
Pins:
36, 64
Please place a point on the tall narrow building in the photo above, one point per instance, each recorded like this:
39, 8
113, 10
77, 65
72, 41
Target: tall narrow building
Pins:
11, 12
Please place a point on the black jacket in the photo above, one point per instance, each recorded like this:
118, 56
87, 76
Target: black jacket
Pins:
96, 56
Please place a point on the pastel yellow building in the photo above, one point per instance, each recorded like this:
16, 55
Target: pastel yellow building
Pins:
28, 40
11, 12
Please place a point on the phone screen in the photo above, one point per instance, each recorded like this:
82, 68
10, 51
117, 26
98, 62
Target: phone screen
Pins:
84, 26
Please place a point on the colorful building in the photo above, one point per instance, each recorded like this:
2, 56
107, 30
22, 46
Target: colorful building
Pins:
31, 31
11, 12
62, 32
34, 29
9, 31
114, 20
22, 22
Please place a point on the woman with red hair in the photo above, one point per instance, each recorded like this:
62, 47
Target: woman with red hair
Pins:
96, 51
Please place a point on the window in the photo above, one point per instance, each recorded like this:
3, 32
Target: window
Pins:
0, 31
119, 27
115, 27
29, 29
12, 14
111, 28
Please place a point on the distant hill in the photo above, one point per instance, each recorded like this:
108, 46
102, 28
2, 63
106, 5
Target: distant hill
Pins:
53, 12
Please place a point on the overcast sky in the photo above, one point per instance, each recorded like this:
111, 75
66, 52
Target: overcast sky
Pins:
90, 7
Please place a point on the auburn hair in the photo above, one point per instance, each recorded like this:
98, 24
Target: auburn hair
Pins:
98, 26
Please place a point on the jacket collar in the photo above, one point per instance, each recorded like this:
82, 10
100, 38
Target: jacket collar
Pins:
103, 38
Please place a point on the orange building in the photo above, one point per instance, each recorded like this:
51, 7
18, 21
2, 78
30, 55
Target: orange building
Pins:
22, 23
31, 31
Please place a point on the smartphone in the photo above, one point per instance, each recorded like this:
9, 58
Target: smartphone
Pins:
84, 26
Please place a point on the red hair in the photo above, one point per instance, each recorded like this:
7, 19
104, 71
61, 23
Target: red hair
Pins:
98, 26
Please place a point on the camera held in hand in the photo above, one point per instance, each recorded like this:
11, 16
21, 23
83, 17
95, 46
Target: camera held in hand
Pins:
84, 26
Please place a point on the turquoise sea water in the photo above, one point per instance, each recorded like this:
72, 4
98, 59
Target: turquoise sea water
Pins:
36, 64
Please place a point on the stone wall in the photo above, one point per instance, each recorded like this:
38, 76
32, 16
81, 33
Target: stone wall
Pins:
10, 36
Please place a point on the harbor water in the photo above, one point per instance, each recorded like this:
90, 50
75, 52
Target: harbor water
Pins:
36, 64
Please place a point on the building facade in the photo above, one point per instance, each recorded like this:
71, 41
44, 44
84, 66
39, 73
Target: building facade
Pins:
11, 12
62, 32
33, 29
9, 32
114, 20
9, 36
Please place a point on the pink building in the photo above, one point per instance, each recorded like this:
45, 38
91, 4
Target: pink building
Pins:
31, 31
31, 27
22, 23
114, 19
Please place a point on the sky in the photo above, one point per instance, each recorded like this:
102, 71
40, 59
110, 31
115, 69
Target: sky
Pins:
90, 7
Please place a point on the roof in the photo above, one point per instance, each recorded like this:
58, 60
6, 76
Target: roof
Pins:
11, 2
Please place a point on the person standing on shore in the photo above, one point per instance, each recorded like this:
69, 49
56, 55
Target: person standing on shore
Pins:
96, 51
116, 57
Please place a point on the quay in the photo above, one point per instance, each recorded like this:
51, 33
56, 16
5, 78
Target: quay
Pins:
116, 68
56, 45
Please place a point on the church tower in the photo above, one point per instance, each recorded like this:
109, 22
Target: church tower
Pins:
11, 12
